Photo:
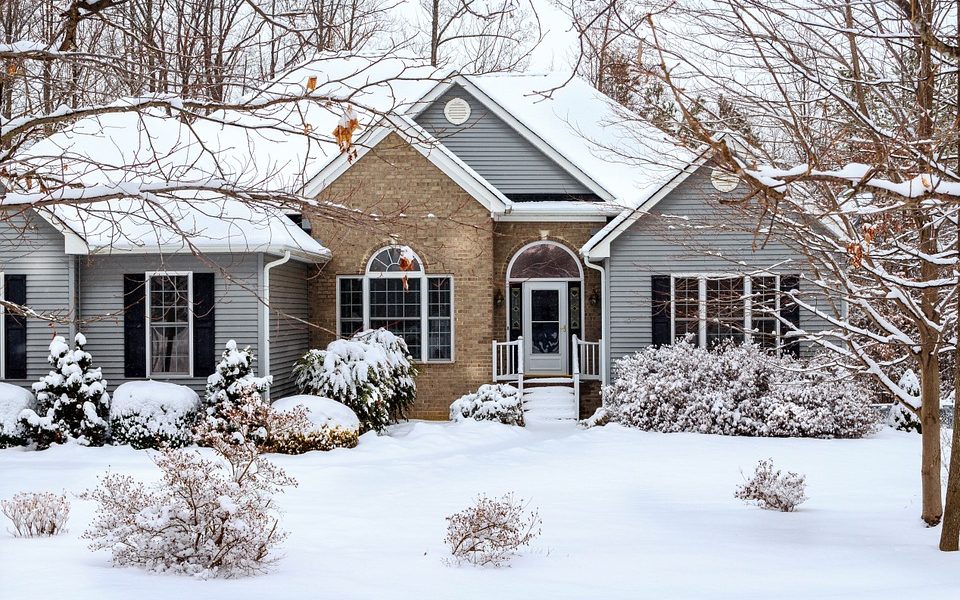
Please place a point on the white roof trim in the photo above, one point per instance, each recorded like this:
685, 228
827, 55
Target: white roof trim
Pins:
598, 246
429, 147
296, 253
73, 243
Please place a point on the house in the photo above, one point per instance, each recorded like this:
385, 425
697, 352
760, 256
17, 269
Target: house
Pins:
518, 228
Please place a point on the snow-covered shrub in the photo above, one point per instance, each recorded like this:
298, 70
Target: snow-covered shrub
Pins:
304, 423
735, 390
773, 490
491, 531
72, 400
233, 379
492, 402
372, 373
13, 401
37, 514
240, 420
900, 416
153, 414
207, 517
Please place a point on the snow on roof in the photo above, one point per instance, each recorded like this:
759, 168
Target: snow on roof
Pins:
615, 148
265, 149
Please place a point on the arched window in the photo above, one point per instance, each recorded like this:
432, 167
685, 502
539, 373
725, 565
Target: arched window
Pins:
544, 260
397, 294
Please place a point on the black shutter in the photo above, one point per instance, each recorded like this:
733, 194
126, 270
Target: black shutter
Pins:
15, 327
660, 309
790, 312
134, 326
204, 325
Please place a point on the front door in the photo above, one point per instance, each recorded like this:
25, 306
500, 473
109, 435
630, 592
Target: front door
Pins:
545, 331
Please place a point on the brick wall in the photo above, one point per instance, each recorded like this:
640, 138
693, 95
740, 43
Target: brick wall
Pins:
396, 182
402, 187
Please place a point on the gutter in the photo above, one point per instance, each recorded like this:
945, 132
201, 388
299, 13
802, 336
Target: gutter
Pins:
265, 334
604, 320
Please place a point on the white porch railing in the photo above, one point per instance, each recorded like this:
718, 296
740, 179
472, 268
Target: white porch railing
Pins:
587, 357
508, 361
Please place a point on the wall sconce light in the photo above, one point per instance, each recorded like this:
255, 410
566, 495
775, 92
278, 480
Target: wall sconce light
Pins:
498, 298
594, 298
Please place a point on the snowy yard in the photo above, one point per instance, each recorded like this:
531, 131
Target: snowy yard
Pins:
626, 514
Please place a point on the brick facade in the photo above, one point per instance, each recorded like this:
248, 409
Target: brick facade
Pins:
419, 206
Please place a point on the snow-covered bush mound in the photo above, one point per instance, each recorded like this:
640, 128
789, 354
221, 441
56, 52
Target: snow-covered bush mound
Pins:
372, 373
13, 401
900, 416
735, 390
72, 399
492, 402
206, 517
773, 490
304, 423
153, 414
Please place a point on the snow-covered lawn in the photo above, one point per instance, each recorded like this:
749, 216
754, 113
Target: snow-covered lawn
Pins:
626, 514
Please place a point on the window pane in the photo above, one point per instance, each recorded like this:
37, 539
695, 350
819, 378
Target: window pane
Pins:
763, 291
394, 260
440, 342
397, 310
544, 260
725, 310
439, 309
686, 303
170, 324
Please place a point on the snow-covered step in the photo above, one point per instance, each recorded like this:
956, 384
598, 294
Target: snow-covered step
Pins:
545, 380
549, 403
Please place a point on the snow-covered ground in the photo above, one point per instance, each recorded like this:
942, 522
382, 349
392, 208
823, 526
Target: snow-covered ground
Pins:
626, 514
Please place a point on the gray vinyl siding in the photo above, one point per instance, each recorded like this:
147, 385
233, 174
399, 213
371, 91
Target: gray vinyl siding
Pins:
30, 246
496, 151
694, 243
289, 315
101, 304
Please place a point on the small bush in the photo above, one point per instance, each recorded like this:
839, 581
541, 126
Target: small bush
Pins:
153, 414
770, 489
900, 416
72, 401
372, 373
491, 531
735, 390
37, 514
228, 388
206, 517
492, 402
305, 423
13, 401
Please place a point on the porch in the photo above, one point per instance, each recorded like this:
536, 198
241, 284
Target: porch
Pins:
553, 395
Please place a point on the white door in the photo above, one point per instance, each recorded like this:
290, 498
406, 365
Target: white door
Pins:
545, 331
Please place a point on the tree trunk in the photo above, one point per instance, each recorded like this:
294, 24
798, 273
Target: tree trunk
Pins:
435, 34
950, 533
930, 466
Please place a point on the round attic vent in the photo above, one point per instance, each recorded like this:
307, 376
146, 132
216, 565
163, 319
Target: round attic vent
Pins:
457, 111
724, 181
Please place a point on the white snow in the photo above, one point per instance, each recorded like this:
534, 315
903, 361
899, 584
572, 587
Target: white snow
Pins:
322, 412
626, 514
13, 400
161, 402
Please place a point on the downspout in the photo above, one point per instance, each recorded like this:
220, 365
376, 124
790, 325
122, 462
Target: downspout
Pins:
604, 320
265, 334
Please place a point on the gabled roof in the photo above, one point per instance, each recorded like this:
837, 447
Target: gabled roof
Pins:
428, 146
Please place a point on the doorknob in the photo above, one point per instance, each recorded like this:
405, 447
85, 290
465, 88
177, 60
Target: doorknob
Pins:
563, 329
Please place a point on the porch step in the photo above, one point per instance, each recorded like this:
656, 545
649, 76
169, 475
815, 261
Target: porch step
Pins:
537, 380
549, 402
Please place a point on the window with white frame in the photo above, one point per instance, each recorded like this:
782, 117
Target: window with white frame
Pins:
169, 324
716, 308
398, 295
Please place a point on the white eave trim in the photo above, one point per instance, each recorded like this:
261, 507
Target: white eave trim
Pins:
298, 254
73, 243
598, 246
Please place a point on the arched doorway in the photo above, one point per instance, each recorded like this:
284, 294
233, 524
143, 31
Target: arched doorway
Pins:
545, 305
